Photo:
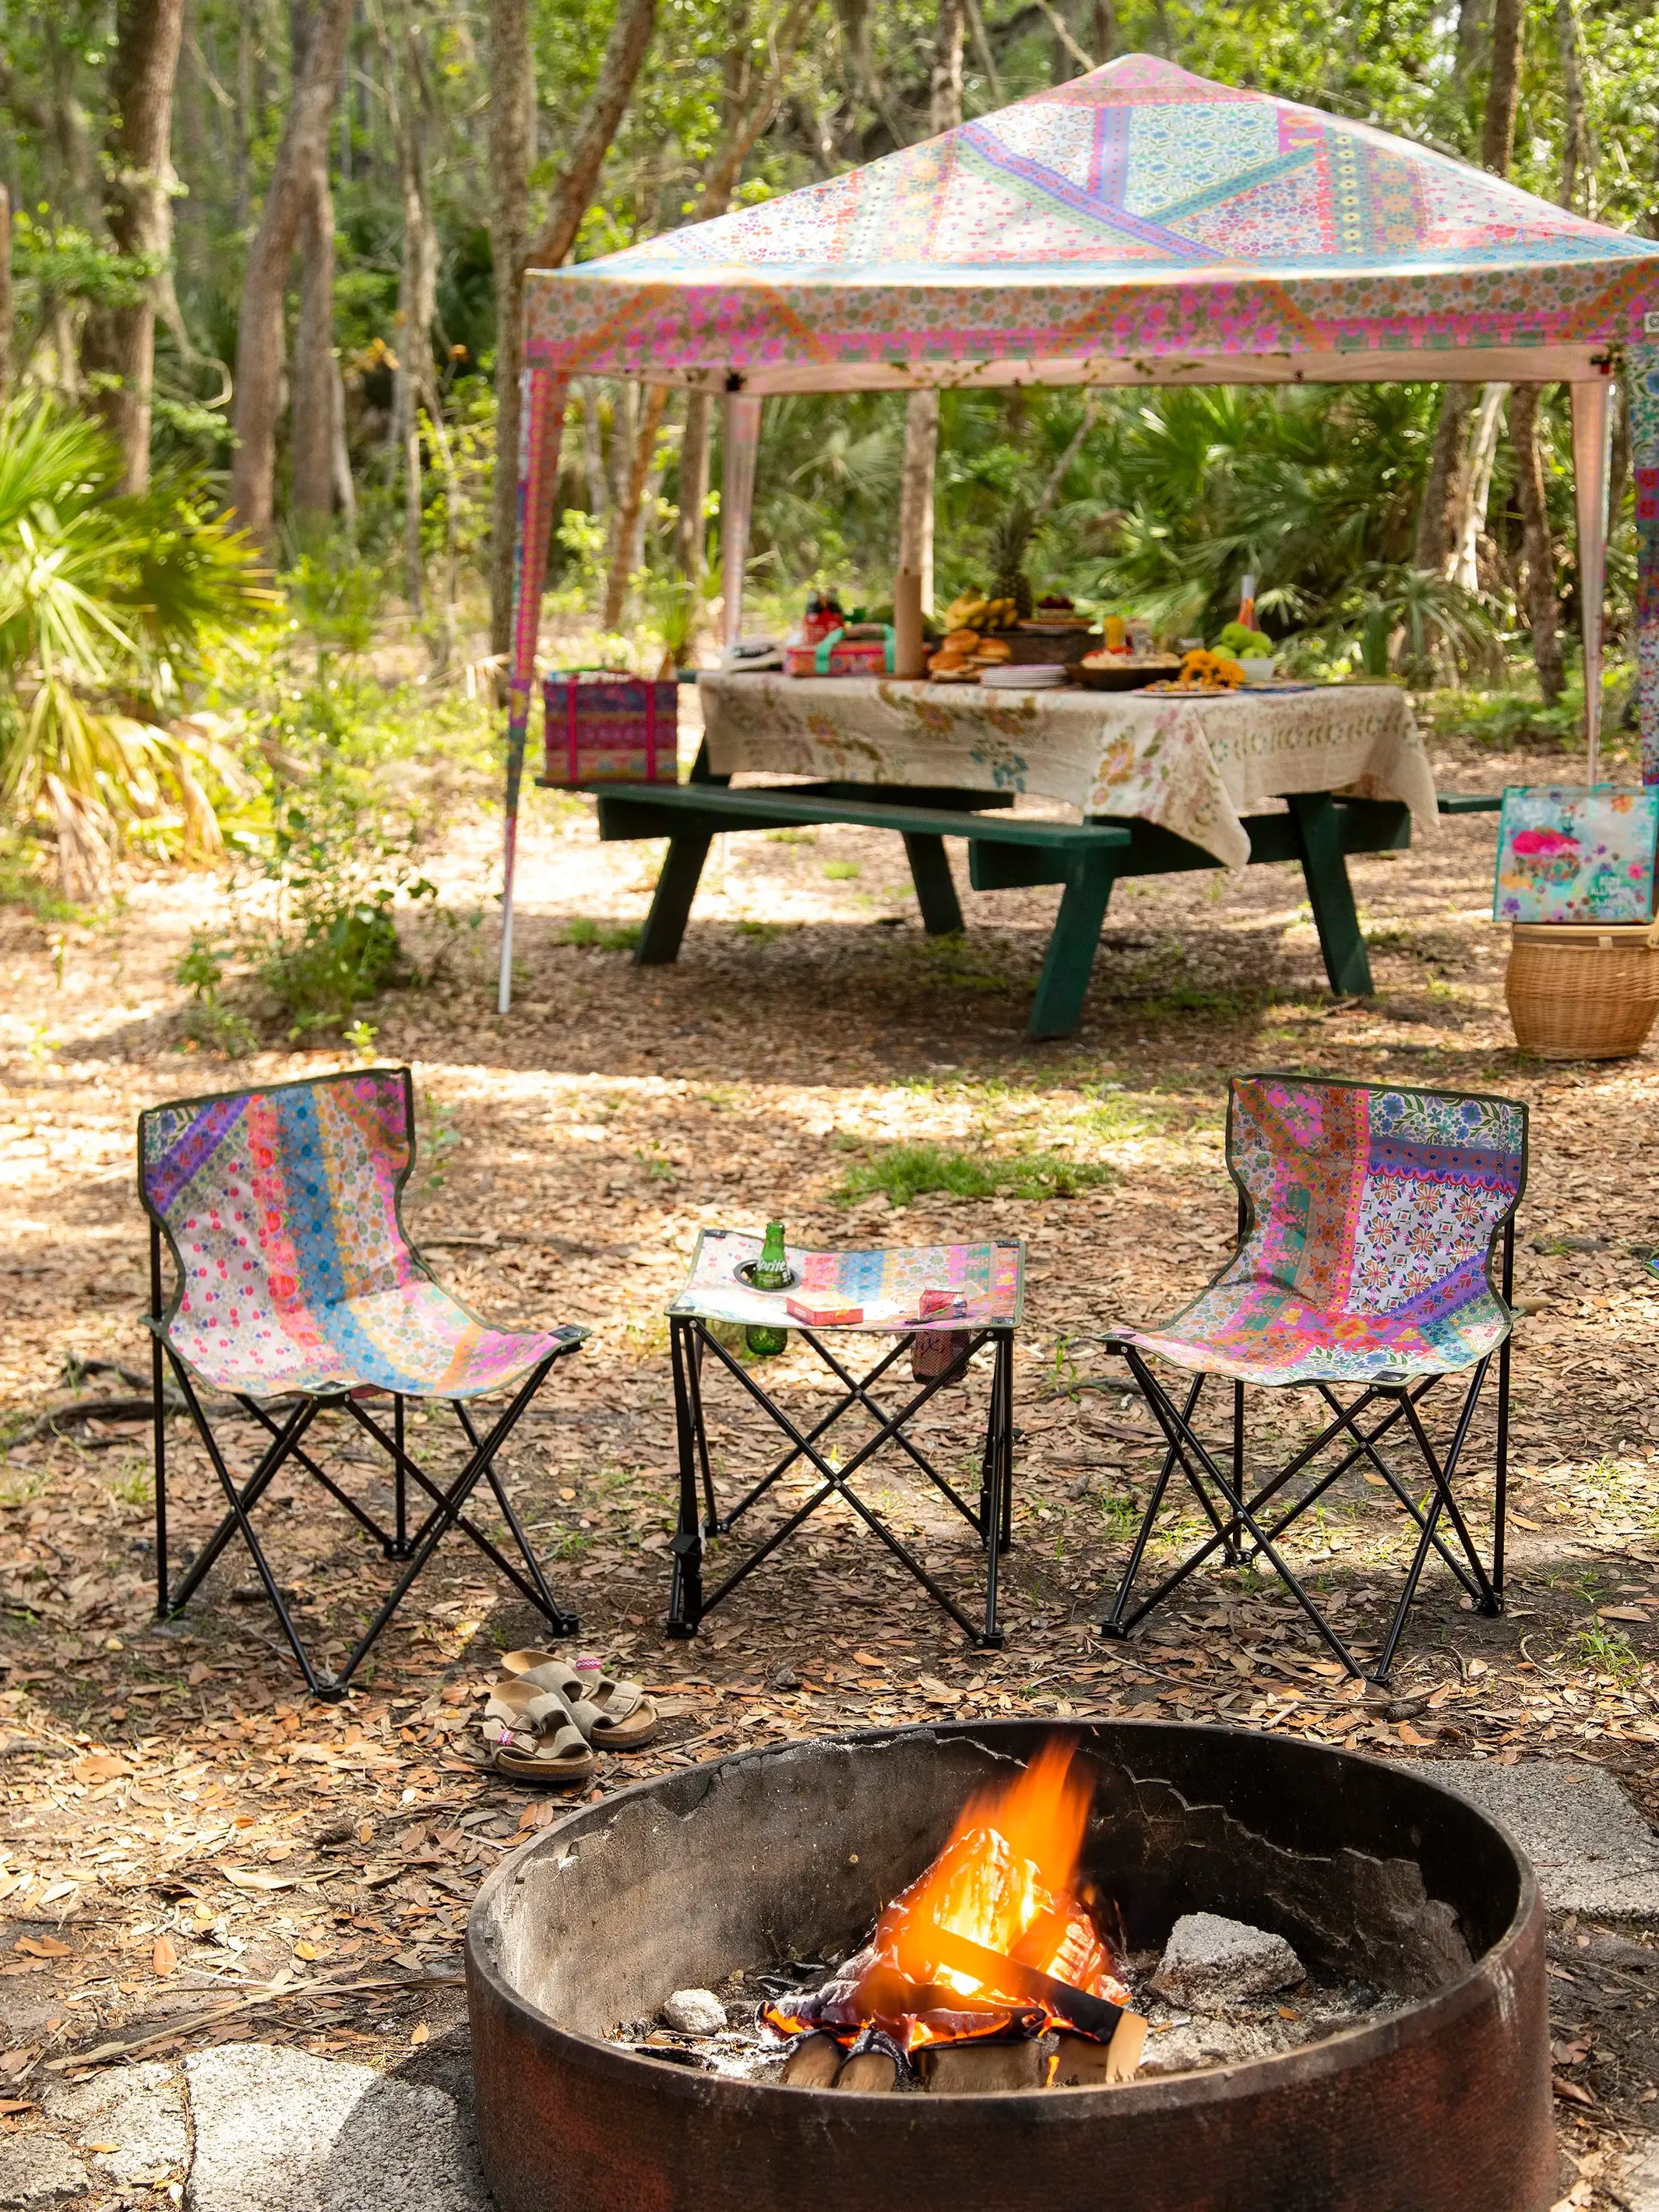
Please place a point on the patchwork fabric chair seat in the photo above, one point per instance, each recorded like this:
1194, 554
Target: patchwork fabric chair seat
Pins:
296, 1287
1369, 1218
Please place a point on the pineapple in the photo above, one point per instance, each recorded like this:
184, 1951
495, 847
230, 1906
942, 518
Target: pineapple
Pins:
1011, 542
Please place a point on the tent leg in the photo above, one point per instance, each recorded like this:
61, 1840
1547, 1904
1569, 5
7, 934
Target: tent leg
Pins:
1641, 396
740, 445
541, 414
1592, 425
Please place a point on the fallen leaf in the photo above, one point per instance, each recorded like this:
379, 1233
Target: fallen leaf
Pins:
304, 1950
420, 2034
164, 1958
42, 1947
243, 1878
1407, 1734
98, 1766
200, 1673
1522, 1521
13, 2062
1621, 1613
1571, 2090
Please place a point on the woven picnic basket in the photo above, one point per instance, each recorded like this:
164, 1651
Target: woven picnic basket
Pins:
1582, 991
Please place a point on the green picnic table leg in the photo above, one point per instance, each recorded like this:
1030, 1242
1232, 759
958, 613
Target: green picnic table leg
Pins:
1058, 1006
670, 904
936, 894
1324, 866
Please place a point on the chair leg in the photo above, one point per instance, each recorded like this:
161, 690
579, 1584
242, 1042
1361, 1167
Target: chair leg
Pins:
560, 1622
159, 1417
685, 1591
1115, 1624
440, 1523
399, 1547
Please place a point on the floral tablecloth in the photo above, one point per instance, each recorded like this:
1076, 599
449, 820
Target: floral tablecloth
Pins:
1195, 765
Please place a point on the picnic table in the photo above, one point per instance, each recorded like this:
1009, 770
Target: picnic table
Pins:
1163, 782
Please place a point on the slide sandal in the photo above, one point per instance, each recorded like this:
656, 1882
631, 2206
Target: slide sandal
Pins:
613, 1715
533, 1737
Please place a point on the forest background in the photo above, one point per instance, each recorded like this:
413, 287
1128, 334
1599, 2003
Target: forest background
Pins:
258, 333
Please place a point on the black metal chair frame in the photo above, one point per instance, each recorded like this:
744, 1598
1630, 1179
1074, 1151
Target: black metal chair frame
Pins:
1242, 1532
286, 1422
691, 1338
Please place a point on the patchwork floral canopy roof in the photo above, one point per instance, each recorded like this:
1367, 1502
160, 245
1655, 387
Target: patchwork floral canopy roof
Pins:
1137, 225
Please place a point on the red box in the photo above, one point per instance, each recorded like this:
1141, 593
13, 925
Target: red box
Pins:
814, 1316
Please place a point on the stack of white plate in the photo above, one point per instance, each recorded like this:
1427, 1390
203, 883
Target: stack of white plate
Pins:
1044, 675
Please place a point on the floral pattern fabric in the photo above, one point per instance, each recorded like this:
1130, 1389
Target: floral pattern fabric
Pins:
1135, 218
280, 1206
1575, 855
1373, 1214
1196, 766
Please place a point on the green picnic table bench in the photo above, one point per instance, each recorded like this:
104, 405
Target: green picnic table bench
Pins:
1084, 858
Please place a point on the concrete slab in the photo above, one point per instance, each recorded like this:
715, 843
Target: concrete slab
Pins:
1638, 2187
139, 2109
1591, 1849
282, 2130
37, 2170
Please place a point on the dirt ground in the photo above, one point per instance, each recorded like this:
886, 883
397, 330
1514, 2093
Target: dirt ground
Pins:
194, 1852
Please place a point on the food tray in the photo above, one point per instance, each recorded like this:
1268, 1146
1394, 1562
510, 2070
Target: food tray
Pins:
1130, 677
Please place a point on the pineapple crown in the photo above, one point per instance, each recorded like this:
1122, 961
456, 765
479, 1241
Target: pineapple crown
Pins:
1011, 540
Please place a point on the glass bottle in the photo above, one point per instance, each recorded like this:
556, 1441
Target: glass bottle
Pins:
770, 1273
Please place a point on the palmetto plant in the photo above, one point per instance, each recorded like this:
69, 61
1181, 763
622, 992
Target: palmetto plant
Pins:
107, 608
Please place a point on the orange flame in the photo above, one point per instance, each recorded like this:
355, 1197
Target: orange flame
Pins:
1005, 1882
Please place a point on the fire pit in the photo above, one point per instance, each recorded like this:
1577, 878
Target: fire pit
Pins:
1367, 1870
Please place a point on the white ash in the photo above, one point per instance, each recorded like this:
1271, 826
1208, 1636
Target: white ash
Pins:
695, 2012
1209, 1962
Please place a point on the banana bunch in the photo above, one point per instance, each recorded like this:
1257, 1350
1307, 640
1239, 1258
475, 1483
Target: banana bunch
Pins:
972, 612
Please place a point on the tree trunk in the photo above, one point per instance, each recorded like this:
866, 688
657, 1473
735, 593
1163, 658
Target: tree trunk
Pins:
1575, 135
511, 98
629, 547
1543, 611
5, 295
311, 432
690, 529
1472, 31
1442, 518
748, 114
120, 343
915, 545
1509, 24
417, 293
303, 153
1483, 451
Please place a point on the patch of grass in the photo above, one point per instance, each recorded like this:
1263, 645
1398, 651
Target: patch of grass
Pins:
909, 1171
137, 1488
792, 836
762, 931
1120, 1515
842, 872
1189, 999
1610, 1654
606, 936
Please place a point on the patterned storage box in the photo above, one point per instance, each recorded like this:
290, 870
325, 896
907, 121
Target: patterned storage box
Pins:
605, 726
1575, 855
841, 655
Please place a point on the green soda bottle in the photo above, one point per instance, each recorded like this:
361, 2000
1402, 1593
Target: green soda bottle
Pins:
771, 1273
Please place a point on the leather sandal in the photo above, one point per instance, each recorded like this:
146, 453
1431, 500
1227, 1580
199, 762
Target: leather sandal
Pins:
532, 1736
613, 1715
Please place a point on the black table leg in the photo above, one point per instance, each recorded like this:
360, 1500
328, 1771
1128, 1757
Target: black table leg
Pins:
671, 905
936, 893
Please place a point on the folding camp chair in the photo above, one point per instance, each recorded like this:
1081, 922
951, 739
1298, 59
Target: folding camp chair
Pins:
1367, 1222
296, 1289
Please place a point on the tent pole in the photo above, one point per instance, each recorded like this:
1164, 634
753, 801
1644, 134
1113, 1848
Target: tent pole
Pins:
541, 423
1592, 428
1641, 397
738, 448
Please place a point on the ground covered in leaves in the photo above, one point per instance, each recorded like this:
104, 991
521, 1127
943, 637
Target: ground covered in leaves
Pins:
194, 1852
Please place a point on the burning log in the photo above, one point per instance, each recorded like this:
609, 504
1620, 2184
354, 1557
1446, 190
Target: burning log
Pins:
813, 2063
983, 2069
1083, 2063
873, 2064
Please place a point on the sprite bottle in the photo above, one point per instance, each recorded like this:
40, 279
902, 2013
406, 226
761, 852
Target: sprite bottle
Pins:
770, 1273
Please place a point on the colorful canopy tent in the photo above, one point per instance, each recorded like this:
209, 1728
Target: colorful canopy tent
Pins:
1139, 226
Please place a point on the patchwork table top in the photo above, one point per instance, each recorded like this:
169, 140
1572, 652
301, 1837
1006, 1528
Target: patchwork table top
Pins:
883, 1288
1194, 764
